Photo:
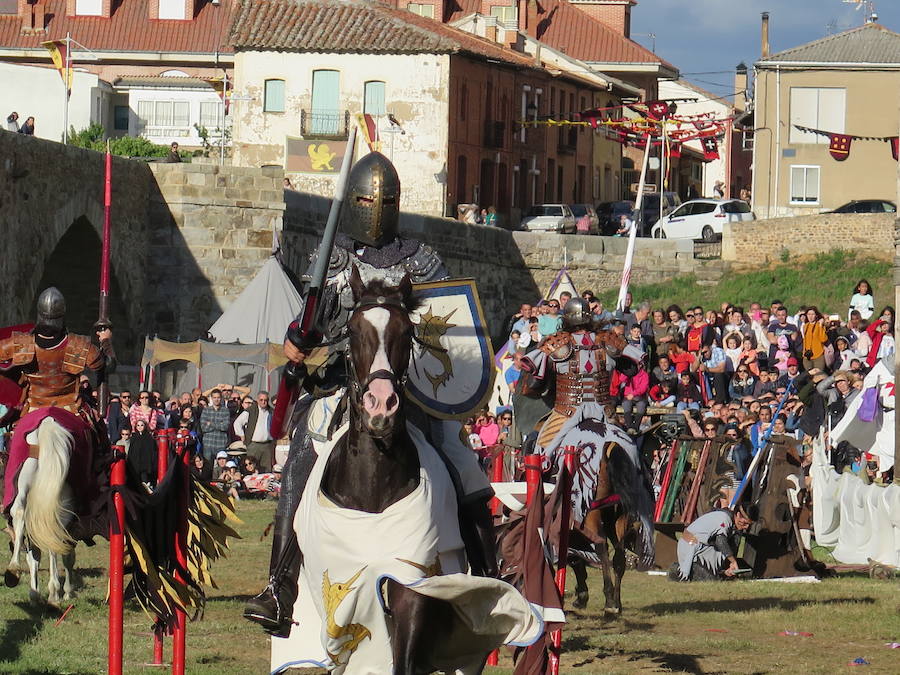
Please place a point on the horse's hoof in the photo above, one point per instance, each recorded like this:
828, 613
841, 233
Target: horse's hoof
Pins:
611, 612
581, 601
11, 579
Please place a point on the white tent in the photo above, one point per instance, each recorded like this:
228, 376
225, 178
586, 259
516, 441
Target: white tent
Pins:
262, 311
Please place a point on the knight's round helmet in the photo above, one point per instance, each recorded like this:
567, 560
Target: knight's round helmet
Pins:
51, 310
372, 209
577, 312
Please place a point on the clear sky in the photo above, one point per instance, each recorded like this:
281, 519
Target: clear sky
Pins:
702, 38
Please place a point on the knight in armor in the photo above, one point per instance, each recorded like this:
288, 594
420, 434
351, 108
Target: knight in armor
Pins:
50, 361
574, 364
368, 241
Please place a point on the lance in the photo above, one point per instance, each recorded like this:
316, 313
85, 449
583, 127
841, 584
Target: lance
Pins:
304, 330
103, 318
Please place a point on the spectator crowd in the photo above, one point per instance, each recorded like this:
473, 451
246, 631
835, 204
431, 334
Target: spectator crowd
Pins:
734, 371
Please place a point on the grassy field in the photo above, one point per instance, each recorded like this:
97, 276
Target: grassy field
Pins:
827, 280
699, 628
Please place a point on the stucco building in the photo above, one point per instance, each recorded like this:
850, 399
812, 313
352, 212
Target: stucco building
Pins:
448, 105
844, 84
141, 67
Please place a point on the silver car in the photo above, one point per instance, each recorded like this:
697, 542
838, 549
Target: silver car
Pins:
549, 218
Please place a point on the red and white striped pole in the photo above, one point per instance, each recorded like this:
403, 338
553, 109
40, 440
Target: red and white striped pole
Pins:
180, 633
116, 563
571, 454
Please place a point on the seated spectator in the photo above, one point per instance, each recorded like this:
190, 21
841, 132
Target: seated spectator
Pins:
662, 394
750, 356
688, 394
221, 464
274, 485
742, 384
766, 382
231, 480
630, 391
712, 366
733, 351
665, 371
201, 468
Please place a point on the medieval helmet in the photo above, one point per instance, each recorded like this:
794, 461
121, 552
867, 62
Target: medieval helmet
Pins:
372, 210
51, 310
576, 313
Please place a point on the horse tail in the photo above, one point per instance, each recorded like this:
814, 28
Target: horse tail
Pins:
44, 511
629, 481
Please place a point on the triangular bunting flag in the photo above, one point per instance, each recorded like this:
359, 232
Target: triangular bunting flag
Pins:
895, 147
840, 146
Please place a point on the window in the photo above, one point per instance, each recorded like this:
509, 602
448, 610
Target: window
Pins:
700, 208
505, 14
804, 185
421, 9
374, 98
273, 96
172, 9
89, 7
326, 115
164, 118
817, 108
210, 112
120, 117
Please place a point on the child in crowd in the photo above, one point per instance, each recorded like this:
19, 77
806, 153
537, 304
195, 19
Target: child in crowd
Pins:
749, 356
662, 394
688, 393
782, 354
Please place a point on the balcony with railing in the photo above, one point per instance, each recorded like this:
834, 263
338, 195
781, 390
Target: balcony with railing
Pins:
326, 124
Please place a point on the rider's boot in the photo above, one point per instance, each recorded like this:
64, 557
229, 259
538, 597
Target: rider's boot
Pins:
273, 607
481, 545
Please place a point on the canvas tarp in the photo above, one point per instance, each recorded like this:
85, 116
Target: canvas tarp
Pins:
262, 311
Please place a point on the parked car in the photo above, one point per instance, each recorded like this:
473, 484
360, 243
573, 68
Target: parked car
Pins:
650, 210
702, 219
579, 211
549, 218
867, 206
610, 215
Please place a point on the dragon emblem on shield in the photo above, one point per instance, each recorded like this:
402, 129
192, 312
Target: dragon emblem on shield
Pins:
430, 329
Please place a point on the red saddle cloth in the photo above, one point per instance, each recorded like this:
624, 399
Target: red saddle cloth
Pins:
80, 479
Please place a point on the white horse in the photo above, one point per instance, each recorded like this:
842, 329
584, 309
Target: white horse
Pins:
42, 512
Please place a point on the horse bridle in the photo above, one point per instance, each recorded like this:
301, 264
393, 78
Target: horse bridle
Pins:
359, 388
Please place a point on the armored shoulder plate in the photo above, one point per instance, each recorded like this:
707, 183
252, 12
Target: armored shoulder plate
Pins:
558, 346
77, 349
425, 265
339, 262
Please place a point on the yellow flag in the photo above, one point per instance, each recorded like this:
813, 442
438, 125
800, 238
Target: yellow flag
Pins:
58, 52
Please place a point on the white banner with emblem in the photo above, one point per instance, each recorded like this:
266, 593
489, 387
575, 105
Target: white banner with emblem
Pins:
451, 369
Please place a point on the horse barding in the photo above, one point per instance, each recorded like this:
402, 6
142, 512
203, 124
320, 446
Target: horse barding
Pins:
57, 493
383, 583
612, 499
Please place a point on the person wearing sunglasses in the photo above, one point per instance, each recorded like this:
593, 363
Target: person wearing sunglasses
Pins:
742, 383
549, 321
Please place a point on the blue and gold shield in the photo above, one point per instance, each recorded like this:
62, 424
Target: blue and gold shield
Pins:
451, 371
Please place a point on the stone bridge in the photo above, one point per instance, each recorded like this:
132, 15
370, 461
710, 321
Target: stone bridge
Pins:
186, 237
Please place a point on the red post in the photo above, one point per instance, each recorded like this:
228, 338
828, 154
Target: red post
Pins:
162, 465
533, 465
497, 459
563, 553
116, 564
180, 633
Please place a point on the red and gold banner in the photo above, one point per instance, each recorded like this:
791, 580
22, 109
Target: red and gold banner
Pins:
369, 129
62, 61
839, 146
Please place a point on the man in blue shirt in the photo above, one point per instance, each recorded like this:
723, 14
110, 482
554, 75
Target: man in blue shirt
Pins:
712, 364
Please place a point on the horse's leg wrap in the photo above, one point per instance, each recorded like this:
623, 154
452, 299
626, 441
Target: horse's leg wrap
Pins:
273, 607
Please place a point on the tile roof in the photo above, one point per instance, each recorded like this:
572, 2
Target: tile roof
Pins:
563, 26
354, 26
128, 30
870, 43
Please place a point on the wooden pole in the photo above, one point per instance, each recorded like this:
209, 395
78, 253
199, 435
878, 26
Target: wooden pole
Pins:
116, 563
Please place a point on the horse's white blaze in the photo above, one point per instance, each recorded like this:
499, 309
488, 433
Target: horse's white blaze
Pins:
379, 317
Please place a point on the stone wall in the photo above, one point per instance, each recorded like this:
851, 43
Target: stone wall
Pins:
212, 230
509, 267
764, 240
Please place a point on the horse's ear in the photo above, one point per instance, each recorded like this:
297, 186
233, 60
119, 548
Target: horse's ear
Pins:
406, 289
356, 283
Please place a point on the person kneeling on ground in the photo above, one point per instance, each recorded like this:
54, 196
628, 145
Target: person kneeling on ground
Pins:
706, 550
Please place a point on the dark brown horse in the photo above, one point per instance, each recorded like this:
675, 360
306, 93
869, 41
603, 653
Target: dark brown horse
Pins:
376, 463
